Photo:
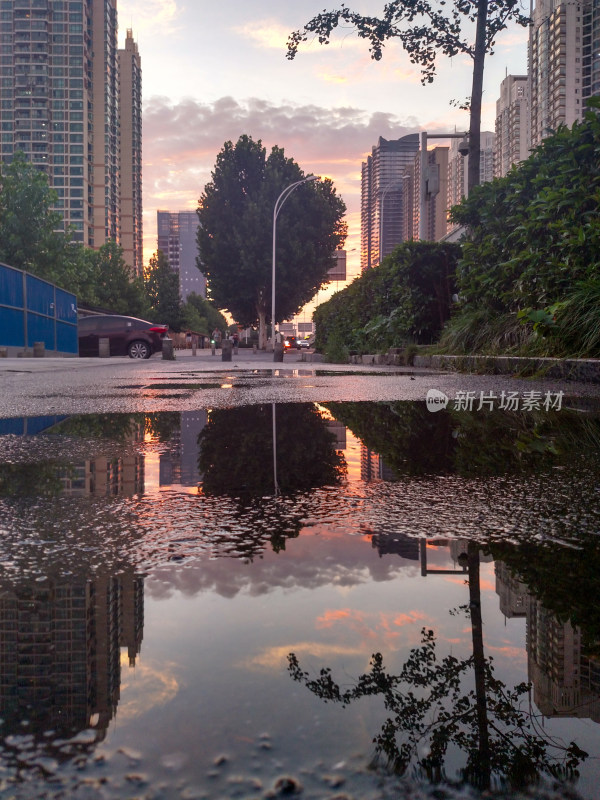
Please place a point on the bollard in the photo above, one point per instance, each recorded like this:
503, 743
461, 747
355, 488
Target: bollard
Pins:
278, 351
168, 353
104, 347
226, 350
194, 345
3, 352
254, 349
39, 349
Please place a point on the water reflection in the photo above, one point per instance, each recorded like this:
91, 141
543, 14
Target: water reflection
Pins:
388, 517
60, 663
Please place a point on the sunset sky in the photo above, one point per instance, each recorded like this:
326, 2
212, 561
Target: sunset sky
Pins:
213, 71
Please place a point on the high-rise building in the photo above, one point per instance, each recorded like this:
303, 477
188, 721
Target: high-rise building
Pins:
387, 197
130, 115
59, 104
512, 124
177, 239
435, 205
458, 168
556, 64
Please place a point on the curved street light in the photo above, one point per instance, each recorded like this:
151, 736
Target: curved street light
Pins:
278, 204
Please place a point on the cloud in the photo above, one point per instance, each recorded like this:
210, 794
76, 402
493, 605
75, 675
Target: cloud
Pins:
264, 33
153, 18
181, 141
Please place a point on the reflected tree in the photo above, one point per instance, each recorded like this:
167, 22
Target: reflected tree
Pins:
41, 479
236, 451
431, 708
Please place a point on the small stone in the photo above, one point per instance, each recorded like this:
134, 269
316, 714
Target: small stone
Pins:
286, 787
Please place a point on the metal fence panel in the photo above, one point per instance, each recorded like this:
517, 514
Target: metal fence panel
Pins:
33, 310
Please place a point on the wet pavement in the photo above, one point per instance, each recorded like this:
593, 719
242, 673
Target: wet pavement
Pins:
67, 386
251, 580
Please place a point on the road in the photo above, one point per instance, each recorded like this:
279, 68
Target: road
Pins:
34, 387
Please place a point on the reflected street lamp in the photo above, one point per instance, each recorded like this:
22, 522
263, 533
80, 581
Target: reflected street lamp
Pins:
278, 204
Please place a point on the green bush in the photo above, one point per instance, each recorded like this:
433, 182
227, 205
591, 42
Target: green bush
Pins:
406, 299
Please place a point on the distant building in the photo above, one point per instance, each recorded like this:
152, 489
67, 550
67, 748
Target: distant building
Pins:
387, 198
130, 116
458, 168
512, 124
59, 105
177, 239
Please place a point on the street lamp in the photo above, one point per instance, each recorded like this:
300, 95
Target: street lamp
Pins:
278, 203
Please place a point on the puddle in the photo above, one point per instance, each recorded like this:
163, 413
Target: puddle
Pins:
247, 602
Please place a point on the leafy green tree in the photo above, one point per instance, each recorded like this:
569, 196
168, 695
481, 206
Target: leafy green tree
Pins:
236, 451
162, 288
431, 710
201, 315
108, 282
426, 30
30, 230
535, 233
235, 236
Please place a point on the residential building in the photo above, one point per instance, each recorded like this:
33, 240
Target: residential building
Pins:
435, 205
177, 232
512, 124
556, 64
387, 197
458, 168
130, 116
59, 104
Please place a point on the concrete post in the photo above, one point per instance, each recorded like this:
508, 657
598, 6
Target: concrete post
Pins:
226, 350
194, 345
3, 352
103, 347
278, 351
168, 353
39, 349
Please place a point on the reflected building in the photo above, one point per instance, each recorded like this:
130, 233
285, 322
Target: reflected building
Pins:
565, 681
179, 464
60, 642
511, 591
105, 477
399, 544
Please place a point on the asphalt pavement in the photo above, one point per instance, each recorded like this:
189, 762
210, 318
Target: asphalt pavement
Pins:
41, 386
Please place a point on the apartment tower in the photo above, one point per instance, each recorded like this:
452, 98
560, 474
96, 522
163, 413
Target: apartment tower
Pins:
387, 197
512, 124
177, 232
130, 116
59, 104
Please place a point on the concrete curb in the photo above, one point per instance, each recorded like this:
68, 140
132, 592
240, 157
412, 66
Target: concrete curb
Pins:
583, 370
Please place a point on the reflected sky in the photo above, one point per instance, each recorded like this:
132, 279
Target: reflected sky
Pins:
158, 556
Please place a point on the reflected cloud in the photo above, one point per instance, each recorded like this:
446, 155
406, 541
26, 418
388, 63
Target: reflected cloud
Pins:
145, 686
273, 658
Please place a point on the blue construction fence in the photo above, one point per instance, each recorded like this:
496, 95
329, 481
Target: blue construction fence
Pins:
33, 310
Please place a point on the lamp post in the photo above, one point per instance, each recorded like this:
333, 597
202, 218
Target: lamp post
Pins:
278, 204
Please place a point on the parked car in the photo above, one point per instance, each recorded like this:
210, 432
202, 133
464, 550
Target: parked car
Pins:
303, 343
128, 336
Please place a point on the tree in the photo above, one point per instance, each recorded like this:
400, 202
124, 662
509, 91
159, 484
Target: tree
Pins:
162, 287
201, 315
109, 283
31, 236
425, 31
535, 233
432, 710
235, 235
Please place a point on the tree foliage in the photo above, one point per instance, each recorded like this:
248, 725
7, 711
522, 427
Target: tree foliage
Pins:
201, 315
235, 235
426, 30
405, 298
162, 288
236, 451
430, 711
106, 281
31, 236
536, 232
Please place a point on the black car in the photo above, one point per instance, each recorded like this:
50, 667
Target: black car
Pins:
127, 336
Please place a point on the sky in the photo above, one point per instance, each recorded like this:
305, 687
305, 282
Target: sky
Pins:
212, 71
